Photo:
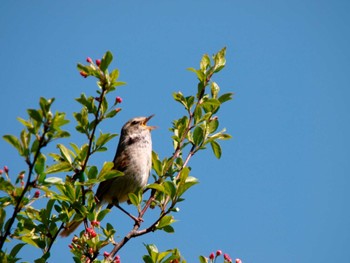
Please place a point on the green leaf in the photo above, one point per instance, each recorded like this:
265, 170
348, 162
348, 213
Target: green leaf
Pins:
180, 98
134, 199
157, 187
25, 139
104, 138
45, 104
225, 97
199, 73
40, 164
102, 214
189, 102
216, 149
198, 135
147, 259
165, 221
114, 75
156, 164
64, 152
107, 172
92, 174
197, 114
5, 185
106, 60
203, 259
112, 113
59, 167
13, 140
27, 124
169, 229
187, 184
170, 188
54, 180
16, 249
205, 63
220, 60
29, 240
214, 89
213, 125
35, 115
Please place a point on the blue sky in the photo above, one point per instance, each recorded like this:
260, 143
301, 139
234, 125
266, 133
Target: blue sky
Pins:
280, 192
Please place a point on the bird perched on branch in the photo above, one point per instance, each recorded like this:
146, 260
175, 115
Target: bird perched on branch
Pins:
134, 159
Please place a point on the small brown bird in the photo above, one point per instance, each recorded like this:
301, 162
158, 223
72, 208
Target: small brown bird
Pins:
134, 159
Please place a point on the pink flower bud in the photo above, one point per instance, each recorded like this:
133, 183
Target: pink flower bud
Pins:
84, 74
211, 256
218, 253
36, 194
118, 100
227, 258
89, 60
98, 62
21, 176
1, 171
106, 254
91, 251
238, 260
70, 246
95, 223
89, 230
118, 110
6, 169
116, 259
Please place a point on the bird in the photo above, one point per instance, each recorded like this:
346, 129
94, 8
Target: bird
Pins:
134, 158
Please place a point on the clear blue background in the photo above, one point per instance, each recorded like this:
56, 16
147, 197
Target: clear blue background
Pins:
280, 193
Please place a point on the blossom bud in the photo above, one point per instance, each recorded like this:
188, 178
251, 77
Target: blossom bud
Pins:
118, 110
211, 256
118, 100
89, 60
98, 62
6, 169
218, 253
116, 259
227, 258
95, 223
21, 176
36, 194
238, 260
70, 246
106, 254
84, 74
1, 171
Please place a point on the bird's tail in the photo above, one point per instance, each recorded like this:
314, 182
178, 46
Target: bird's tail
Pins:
70, 228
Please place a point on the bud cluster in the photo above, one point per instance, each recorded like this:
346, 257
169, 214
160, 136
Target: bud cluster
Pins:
227, 259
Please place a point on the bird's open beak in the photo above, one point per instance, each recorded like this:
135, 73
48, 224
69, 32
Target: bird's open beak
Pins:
145, 123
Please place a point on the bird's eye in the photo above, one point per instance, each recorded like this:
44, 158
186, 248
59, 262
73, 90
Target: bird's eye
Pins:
133, 122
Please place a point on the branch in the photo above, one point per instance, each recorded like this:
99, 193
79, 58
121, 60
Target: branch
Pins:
17, 209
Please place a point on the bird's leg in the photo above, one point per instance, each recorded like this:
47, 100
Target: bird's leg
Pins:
137, 220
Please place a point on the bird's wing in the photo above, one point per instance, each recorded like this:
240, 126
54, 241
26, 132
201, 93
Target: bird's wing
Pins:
121, 162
